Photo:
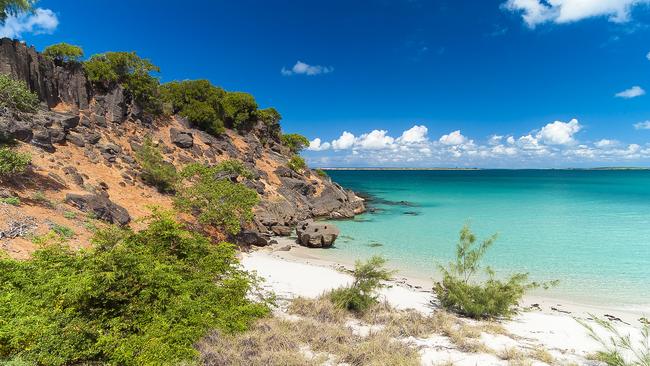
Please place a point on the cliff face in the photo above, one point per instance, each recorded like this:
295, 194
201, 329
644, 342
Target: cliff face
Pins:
83, 145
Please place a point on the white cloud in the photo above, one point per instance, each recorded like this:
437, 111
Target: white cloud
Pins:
648, 56
375, 140
535, 12
453, 138
633, 92
415, 134
495, 139
317, 145
605, 143
559, 133
645, 125
41, 21
344, 142
301, 68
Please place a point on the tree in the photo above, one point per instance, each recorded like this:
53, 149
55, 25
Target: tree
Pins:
270, 116
239, 109
198, 101
368, 277
130, 71
16, 96
14, 7
63, 52
295, 142
489, 299
214, 199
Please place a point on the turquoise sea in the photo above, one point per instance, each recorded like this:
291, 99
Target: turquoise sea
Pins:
590, 229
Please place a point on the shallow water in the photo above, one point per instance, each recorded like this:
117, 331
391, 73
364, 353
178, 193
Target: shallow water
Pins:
588, 229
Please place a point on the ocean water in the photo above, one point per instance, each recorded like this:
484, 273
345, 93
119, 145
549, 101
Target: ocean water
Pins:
590, 229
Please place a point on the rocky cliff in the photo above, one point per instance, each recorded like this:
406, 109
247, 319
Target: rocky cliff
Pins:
83, 144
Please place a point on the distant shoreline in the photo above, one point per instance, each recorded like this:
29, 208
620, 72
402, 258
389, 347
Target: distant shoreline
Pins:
474, 169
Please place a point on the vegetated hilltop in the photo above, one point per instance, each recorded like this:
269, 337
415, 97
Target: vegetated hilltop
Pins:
109, 140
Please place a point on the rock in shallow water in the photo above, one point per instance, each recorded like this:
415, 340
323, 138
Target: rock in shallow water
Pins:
316, 235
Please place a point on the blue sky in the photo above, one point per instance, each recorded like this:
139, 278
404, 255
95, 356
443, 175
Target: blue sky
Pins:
544, 76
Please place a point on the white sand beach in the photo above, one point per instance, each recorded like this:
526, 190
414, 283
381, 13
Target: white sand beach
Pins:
296, 273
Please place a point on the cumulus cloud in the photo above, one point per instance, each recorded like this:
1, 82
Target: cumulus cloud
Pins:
377, 139
633, 92
648, 56
605, 143
415, 134
559, 133
645, 125
41, 21
453, 138
535, 12
344, 142
317, 145
301, 68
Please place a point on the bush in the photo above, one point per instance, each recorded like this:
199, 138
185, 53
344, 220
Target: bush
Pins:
619, 349
321, 173
13, 162
361, 295
490, 299
270, 116
155, 170
216, 201
137, 298
295, 142
63, 52
198, 101
130, 71
297, 164
15, 95
14, 201
239, 109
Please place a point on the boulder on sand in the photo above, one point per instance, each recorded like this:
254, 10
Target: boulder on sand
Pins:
316, 235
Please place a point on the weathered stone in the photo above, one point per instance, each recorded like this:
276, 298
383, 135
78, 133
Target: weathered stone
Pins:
69, 122
102, 207
57, 135
249, 237
281, 230
41, 138
92, 137
316, 235
76, 139
182, 139
12, 129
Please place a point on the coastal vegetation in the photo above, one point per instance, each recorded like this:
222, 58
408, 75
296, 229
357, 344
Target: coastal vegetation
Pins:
461, 293
63, 52
197, 100
15, 95
155, 170
13, 7
297, 164
216, 200
12, 162
619, 349
136, 297
295, 142
362, 293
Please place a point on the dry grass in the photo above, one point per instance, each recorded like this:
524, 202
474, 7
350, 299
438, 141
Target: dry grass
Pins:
543, 355
321, 309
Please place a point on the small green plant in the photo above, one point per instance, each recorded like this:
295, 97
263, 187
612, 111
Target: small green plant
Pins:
15, 95
14, 201
619, 349
40, 197
70, 215
63, 52
155, 170
297, 164
129, 70
12, 162
362, 293
215, 201
295, 142
61, 230
493, 298
321, 173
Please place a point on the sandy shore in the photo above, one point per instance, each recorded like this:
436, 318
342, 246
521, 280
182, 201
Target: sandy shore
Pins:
298, 272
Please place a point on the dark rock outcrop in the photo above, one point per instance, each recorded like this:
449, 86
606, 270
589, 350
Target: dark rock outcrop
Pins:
316, 235
182, 139
101, 206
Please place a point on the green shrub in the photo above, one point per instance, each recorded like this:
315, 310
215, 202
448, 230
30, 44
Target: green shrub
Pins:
155, 170
270, 116
14, 201
361, 295
321, 173
63, 52
13, 162
69, 215
14, 7
137, 298
129, 70
63, 231
239, 109
15, 95
489, 299
297, 164
295, 142
619, 349
198, 101
216, 202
